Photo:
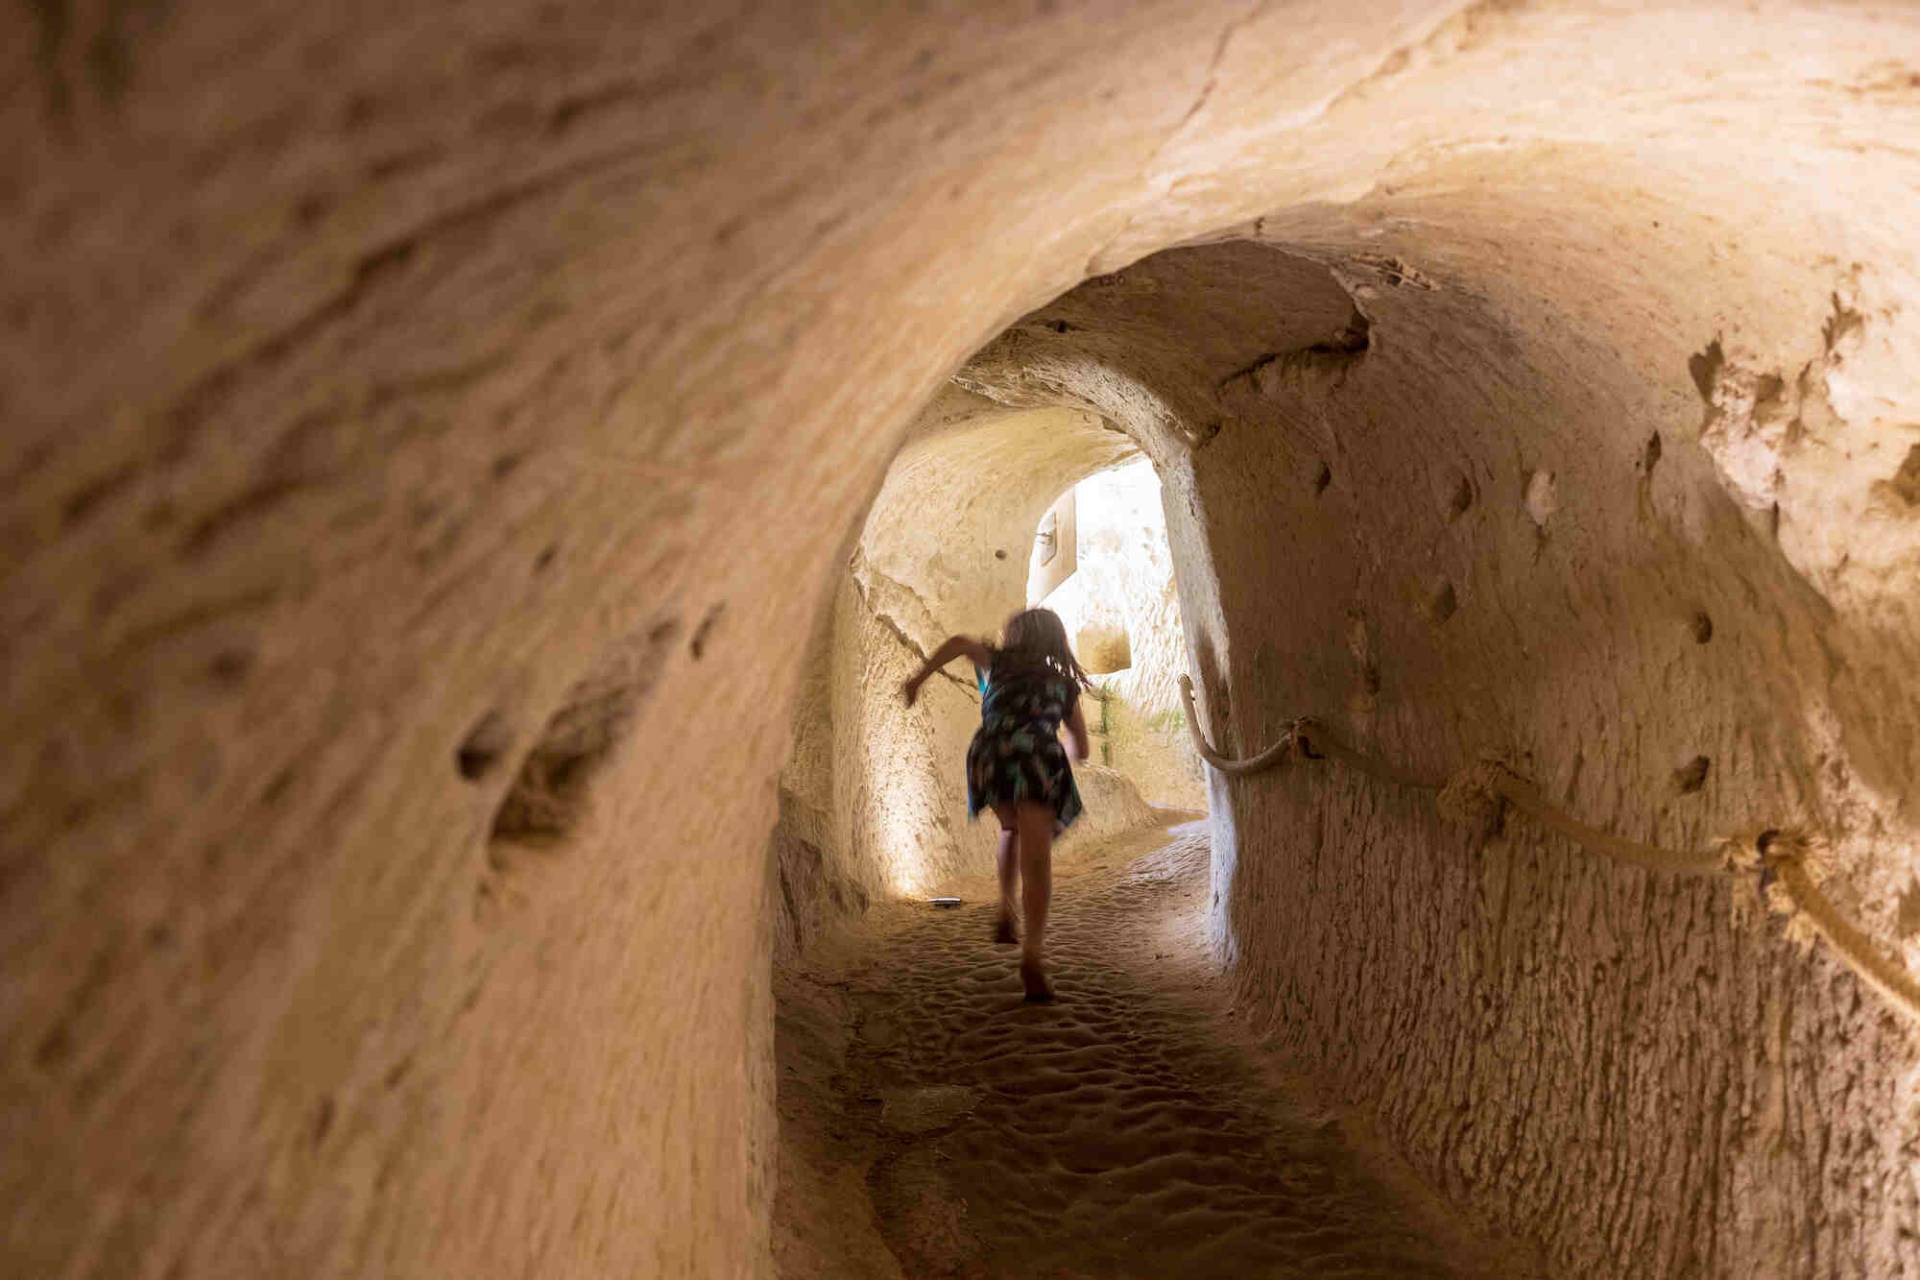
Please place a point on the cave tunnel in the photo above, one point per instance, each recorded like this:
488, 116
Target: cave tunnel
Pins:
477, 473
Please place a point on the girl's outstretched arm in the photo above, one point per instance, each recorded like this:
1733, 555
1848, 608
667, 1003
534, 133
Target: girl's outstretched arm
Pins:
953, 647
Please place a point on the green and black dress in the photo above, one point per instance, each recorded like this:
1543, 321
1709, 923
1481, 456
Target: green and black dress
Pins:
1016, 755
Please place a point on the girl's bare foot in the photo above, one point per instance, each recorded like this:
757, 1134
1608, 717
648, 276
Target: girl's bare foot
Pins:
1003, 933
1034, 978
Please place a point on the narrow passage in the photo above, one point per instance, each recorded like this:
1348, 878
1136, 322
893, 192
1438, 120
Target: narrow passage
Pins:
933, 1125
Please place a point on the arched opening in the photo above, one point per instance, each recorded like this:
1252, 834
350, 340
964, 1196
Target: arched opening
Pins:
1121, 607
942, 550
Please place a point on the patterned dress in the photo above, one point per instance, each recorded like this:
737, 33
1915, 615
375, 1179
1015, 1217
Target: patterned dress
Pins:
1016, 754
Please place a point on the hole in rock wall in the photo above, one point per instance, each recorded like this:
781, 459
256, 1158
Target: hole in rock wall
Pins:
481, 749
1907, 912
549, 795
1692, 776
703, 634
1906, 481
1462, 498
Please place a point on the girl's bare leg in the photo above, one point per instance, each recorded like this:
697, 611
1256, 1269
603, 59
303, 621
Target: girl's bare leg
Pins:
1009, 879
1034, 829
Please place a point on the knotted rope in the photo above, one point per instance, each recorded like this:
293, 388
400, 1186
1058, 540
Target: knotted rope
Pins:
1787, 862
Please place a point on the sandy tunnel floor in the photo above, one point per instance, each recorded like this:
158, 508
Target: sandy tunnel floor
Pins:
934, 1125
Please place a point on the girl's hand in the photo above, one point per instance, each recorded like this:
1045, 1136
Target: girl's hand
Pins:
910, 690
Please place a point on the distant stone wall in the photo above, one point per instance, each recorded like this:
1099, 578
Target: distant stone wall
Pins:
1124, 587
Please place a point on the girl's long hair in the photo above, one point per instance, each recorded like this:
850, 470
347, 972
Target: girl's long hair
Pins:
1038, 636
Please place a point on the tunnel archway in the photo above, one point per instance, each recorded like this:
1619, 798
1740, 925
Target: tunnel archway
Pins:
1371, 572
870, 793
380, 380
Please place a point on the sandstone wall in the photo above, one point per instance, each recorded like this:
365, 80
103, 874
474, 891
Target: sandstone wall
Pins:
430, 430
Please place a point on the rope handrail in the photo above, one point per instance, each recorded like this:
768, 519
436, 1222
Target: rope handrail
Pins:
1785, 860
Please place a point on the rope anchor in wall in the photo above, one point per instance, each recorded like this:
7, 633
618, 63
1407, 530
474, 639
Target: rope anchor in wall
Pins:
1784, 860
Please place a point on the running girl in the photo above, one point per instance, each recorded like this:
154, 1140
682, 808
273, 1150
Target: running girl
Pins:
1017, 766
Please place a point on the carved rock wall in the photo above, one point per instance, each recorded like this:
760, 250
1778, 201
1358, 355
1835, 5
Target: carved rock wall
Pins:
398, 398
